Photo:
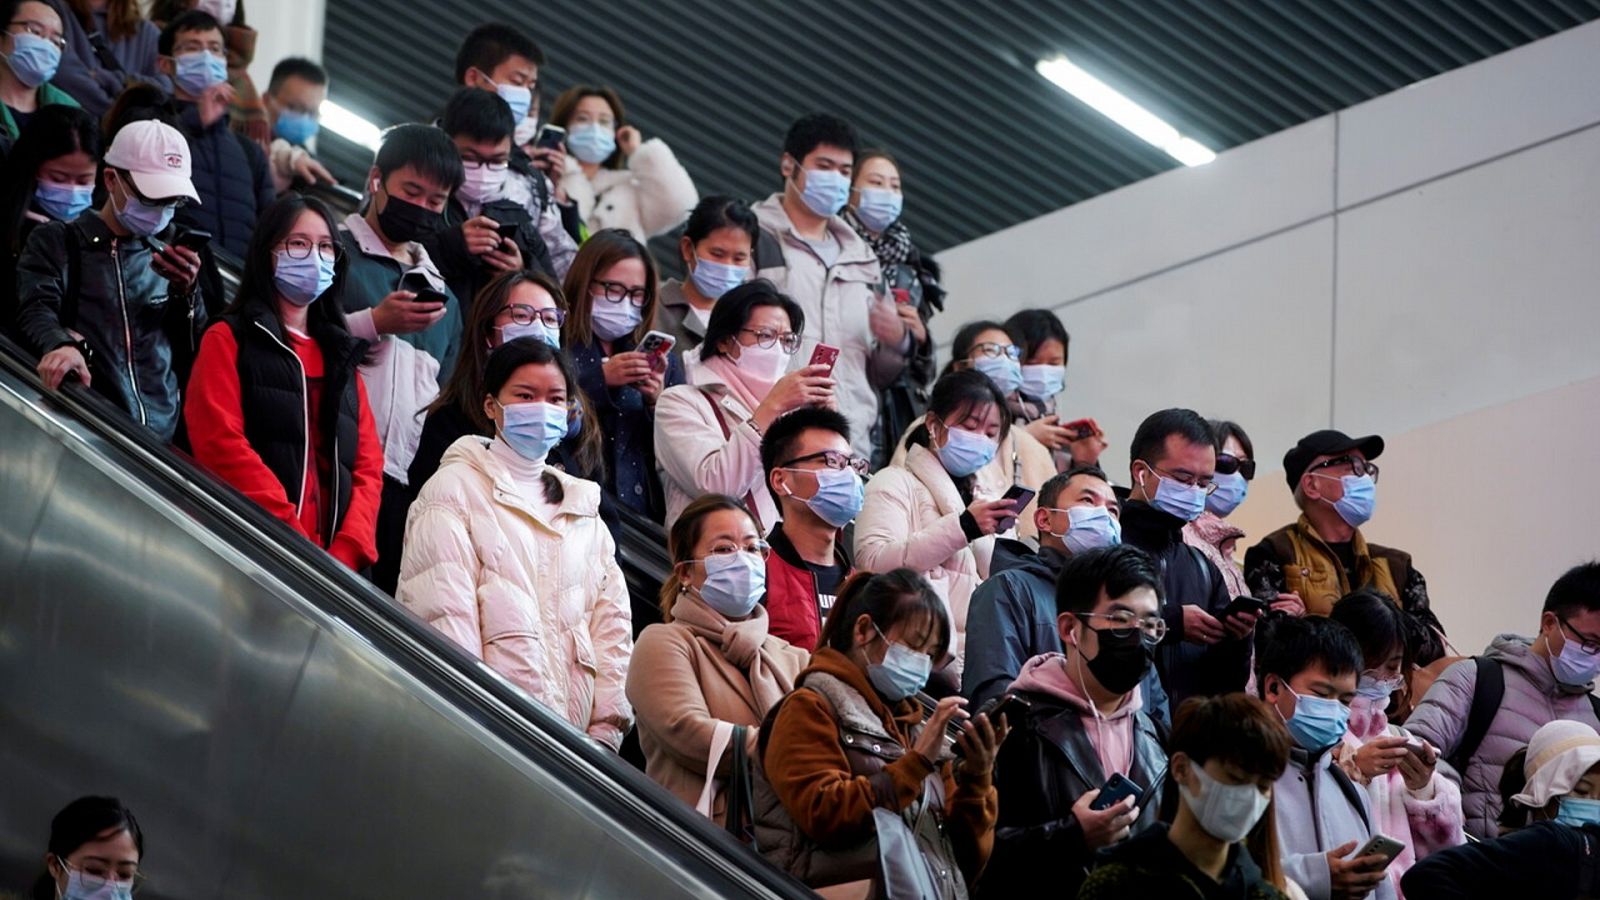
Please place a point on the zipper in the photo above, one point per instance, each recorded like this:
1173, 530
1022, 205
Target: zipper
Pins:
127, 336
305, 415
333, 466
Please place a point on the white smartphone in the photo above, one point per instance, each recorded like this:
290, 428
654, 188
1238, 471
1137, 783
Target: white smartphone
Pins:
1381, 845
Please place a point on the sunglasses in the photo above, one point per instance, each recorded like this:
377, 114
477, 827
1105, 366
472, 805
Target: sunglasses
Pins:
1227, 464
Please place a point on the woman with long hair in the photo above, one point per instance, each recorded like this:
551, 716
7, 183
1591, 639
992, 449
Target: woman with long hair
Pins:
95, 849
49, 177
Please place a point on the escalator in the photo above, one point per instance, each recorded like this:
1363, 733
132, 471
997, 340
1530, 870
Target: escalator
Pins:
281, 728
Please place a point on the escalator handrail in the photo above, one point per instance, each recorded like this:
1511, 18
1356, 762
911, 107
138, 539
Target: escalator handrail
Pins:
535, 732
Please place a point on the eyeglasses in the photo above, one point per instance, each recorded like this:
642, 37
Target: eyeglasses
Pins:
995, 351
832, 459
1185, 479
300, 248
40, 30
1358, 466
493, 165
615, 291
1227, 464
728, 548
766, 337
98, 874
1152, 628
523, 314
1591, 645
126, 177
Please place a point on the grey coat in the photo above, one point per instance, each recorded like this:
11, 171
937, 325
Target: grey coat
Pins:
1319, 809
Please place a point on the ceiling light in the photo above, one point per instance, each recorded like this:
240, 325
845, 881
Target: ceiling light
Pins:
1147, 126
350, 126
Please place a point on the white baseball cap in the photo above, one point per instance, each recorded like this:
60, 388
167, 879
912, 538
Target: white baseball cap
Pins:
156, 155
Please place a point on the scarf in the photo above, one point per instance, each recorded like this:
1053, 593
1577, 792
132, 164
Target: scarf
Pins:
746, 389
893, 246
742, 643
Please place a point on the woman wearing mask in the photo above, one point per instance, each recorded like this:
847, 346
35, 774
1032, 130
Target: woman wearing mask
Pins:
507, 555
275, 407
247, 112
618, 179
30, 55
718, 249
1044, 342
95, 78
711, 665
95, 849
49, 177
708, 432
930, 513
852, 756
1227, 752
612, 291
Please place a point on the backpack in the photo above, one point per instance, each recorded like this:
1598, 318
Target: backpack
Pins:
1487, 693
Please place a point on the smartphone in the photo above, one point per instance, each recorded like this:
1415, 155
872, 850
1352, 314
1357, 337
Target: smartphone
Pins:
1240, 605
1381, 845
550, 137
1012, 706
507, 230
1081, 429
1023, 496
1116, 789
194, 239
418, 284
824, 355
1416, 747
901, 295
657, 343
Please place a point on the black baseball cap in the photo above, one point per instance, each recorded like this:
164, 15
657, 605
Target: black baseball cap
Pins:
1325, 443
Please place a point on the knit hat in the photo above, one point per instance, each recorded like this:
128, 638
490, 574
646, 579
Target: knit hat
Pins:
1558, 756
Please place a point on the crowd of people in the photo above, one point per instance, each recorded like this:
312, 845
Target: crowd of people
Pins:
913, 633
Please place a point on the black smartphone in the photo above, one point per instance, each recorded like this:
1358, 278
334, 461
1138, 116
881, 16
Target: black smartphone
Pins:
508, 230
417, 283
1023, 496
550, 137
1013, 706
1240, 605
1116, 789
194, 239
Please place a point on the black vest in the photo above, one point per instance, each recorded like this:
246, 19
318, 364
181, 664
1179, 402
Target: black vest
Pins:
272, 399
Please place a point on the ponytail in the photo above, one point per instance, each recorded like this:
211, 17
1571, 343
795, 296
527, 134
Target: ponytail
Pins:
889, 599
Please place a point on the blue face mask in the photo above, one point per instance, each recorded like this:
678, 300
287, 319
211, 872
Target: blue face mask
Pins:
200, 70
591, 143
965, 452
1091, 528
518, 97
1578, 812
839, 495
1004, 372
879, 208
713, 279
301, 281
902, 673
1318, 722
33, 59
533, 429
825, 192
297, 128
77, 889
141, 218
1359, 500
1185, 501
63, 201
735, 583
1231, 491
1043, 382
535, 329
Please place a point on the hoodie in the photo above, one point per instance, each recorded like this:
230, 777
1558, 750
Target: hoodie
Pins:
1111, 733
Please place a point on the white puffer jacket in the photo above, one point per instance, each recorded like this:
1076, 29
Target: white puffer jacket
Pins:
651, 196
530, 588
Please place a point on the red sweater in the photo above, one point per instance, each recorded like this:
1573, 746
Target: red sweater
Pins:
215, 418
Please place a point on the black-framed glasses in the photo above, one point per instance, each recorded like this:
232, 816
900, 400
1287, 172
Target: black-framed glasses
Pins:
728, 548
40, 30
300, 248
766, 337
1590, 644
493, 165
1185, 479
616, 291
996, 351
1151, 628
1356, 464
523, 314
1227, 464
832, 459
126, 177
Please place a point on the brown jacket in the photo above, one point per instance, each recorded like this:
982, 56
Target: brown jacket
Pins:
1312, 570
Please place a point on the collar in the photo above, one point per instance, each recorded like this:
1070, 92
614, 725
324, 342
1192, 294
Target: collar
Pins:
368, 242
852, 249
1145, 526
1358, 544
779, 541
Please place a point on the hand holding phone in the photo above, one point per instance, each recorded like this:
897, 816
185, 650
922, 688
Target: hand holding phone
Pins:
1242, 605
195, 239
1381, 845
1116, 789
656, 345
550, 137
1082, 428
1020, 498
824, 355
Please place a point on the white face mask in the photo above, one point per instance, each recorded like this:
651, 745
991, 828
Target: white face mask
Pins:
764, 364
1227, 812
221, 10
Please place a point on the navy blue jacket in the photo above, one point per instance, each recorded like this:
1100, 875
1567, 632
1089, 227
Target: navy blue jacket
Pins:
629, 426
231, 176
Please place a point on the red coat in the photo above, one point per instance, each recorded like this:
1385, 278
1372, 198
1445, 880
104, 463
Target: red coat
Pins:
793, 609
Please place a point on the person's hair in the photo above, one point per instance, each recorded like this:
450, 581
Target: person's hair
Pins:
167, 10
599, 253
138, 103
685, 532
479, 115
813, 130
122, 17
967, 335
1244, 732
900, 595
53, 132
1222, 429
1377, 624
1291, 645
1117, 571
491, 44
717, 212
194, 20
865, 156
777, 444
1032, 327
424, 148
79, 822
1050, 491
567, 104
256, 284
296, 67
732, 312
1513, 780
1150, 440
958, 394
1577, 590
529, 351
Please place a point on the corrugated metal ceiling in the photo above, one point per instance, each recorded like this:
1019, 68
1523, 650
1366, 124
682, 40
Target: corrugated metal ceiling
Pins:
947, 86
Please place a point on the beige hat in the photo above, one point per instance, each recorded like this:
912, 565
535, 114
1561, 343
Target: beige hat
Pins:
1559, 754
156, 155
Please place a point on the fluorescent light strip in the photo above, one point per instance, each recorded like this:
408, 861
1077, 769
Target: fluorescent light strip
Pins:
1109, 102
350, 126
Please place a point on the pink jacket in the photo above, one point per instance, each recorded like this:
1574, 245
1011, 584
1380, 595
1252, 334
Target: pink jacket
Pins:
1210, 534
1112, 735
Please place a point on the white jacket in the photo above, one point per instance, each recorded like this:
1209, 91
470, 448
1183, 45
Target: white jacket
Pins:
532, 590
401, 381
912, 518
653, 195
1020, 459
693, 456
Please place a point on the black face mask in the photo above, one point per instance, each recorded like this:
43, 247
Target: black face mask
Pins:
403, 221
1123, 660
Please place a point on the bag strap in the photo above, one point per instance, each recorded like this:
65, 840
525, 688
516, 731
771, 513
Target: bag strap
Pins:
1487, 692
720, 735
727, 435
740, 820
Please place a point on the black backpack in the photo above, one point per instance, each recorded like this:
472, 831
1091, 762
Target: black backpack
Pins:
1487, 693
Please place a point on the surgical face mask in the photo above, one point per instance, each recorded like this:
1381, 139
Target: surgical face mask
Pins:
1373, 688
1318, 722
1231, 491
1043, 382
403, 221
1185, 501
1122, 660
139, 217
535, 329
518, 97
839, 495
613, 320
481, 184
87, 887
902, 673
1004, 372
33, 59
763, 364
1578, 812
221, 10
297, 128
591, 143
1573, 666
63, 201
713, 279
735, 583
199, 70
526, 130
1227, 812
965, 452
879, 208
533, 429
1090, 528
301, 281
825, 192
1359, 500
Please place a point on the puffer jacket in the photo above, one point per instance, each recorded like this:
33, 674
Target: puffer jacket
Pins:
1318, 809
1532, 698
911, 518
233, 179
837, 301
144, 336
652, 195
533, 592
1020, 459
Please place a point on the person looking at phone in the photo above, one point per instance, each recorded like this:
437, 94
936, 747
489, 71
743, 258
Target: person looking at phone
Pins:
129, 326
1086, 724
1308, 670
1044, 342
718, 252
294, 106
708, 431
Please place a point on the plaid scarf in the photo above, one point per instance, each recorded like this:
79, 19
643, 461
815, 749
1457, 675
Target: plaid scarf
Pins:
893, 246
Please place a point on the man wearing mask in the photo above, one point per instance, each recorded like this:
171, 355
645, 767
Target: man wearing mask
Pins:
812, 474
1480, 711
230, 171
814, 256
294, 105
1174, 463
1323, 556
1307, 670
1085, 723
